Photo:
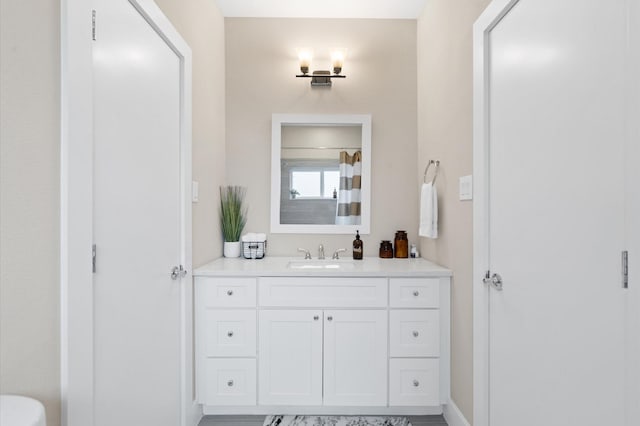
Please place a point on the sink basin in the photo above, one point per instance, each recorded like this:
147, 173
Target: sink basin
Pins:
328, 264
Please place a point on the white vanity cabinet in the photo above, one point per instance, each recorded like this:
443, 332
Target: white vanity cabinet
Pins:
371, 340
330, 358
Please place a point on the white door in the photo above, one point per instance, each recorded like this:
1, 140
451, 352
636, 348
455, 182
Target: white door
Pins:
355, 358
290, 357
137, 221
555, 194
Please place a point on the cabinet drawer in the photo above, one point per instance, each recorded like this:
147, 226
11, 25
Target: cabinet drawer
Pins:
229, 382
227, 292
323, 292
415, 333
414, 292
414, 382
230, 333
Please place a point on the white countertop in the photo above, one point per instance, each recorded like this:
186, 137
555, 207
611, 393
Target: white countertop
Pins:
279, 266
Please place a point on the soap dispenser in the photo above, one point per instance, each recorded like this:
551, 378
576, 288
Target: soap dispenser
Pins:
357, 247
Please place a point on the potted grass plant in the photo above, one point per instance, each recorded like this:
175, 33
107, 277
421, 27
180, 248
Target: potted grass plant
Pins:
233, 217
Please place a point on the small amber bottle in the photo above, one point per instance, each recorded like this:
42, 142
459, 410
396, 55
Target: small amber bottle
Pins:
386, 249
357, 247
401, 245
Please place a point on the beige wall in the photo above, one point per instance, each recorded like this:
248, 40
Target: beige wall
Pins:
445, 132
29, 201
381, 81
29, 179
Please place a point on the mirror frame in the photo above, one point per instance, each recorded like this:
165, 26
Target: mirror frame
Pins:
279, 120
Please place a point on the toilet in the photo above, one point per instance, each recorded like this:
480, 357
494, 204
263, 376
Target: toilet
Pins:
18, 410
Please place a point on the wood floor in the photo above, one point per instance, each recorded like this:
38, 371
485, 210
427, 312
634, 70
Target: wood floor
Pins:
258, 420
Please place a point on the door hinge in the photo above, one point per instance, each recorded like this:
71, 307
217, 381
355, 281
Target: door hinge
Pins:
625, 269
93, 258
93, 25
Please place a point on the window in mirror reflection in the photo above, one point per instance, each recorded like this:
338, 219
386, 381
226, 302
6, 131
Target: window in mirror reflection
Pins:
319, 183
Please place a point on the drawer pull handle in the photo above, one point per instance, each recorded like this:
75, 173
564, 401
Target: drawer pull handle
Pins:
416, 383
229, 292
316, 318
230, 383
416, 334
329, 318
230, 333
416, 293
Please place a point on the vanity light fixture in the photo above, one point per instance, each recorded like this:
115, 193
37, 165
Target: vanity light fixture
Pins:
321, 78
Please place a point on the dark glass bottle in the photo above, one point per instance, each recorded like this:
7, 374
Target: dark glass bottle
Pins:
357, 247
386, 249
401, 245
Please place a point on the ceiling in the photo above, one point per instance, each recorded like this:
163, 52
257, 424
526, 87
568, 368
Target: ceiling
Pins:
370, 9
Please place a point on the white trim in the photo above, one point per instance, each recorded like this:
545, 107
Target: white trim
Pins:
481, 262
76, 225
319, 119
76, 214
453, 415
433, 410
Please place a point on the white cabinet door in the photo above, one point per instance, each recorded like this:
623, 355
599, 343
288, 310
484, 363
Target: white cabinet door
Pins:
355, 358
290, 360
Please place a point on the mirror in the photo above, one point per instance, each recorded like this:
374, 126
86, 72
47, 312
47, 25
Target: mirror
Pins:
320, 174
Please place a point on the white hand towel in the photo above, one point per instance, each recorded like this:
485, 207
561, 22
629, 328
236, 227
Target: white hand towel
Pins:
428, 211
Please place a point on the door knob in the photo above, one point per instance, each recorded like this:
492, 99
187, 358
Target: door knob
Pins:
495, 280
178, 272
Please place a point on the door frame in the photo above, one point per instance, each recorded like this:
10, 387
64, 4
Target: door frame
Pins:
76, 211
491, 16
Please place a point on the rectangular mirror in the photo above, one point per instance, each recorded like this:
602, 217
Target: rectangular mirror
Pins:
320, 174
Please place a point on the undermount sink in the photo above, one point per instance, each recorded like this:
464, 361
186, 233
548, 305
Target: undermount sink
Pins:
321, 264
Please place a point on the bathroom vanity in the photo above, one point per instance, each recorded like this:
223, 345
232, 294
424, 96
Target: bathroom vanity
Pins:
292, 336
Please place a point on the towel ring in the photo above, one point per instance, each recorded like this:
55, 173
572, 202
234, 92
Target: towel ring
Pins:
435, 175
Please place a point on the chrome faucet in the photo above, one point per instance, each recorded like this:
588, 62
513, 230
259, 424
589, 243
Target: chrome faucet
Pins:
321, 252
307, 254
336, 254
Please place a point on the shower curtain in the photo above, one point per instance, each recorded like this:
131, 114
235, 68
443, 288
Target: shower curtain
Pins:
348, 209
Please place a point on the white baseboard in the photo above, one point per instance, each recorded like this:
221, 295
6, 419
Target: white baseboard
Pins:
193, 414
453, 415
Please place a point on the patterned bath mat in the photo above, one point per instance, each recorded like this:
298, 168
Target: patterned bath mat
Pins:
335, 421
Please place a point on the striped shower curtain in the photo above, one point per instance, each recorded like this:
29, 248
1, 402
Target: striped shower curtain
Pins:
348, 210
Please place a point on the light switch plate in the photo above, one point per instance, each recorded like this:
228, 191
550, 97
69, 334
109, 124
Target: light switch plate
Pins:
466, 188
194, 192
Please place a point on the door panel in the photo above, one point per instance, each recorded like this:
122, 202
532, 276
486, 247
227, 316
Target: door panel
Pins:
355, 358
556, 226
137, 221
290, 357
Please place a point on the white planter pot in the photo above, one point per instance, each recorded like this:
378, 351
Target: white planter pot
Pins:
231, 249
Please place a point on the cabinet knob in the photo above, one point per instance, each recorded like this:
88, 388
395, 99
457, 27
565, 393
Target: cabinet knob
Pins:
416, 383
415, 334
230, 333
329, 318
416, 293
315, 318
230, 383
229, 292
